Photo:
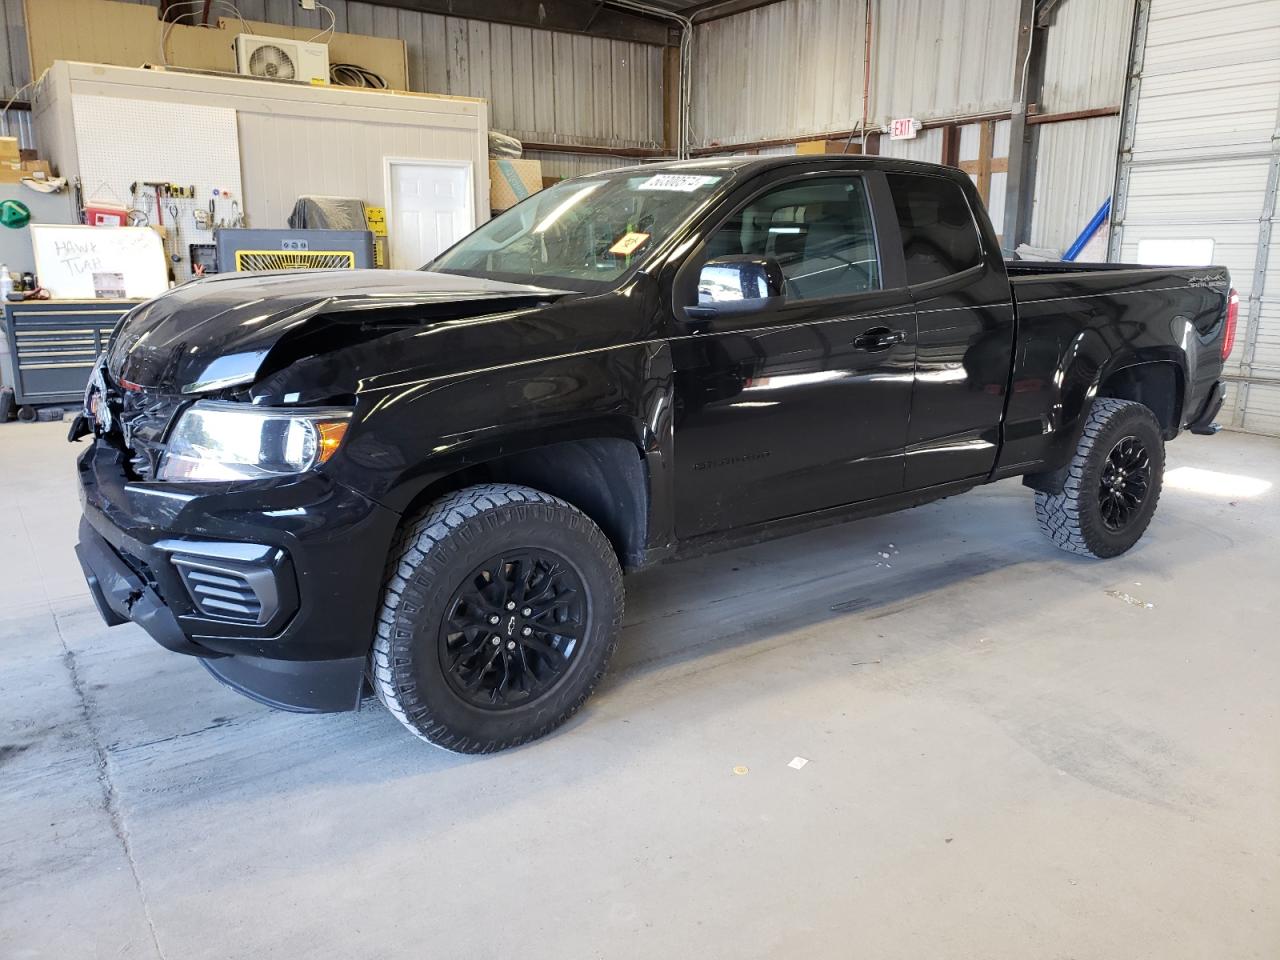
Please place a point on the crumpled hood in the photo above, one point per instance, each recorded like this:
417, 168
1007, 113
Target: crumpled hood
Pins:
215, 333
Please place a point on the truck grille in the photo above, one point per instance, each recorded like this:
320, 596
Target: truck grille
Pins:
144, 419
134, 420
225, 592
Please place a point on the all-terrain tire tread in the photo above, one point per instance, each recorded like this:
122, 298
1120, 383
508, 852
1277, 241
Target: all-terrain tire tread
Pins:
1059, 515
414, 543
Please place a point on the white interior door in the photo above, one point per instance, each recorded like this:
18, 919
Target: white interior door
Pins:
429, 207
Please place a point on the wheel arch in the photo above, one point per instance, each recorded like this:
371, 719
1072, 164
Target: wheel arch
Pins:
603, 474
1158, 384
1092, 366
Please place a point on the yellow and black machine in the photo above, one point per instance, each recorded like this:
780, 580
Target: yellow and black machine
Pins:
252, 249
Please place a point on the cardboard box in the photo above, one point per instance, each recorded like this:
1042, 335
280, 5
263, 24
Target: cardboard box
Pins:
14, 172
828, 146
510, 181
9, 152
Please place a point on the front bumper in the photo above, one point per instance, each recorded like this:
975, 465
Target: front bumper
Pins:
274, 584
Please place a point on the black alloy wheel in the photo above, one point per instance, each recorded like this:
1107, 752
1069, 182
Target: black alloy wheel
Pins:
1111, 486
501, 609
1126, 477
513, 628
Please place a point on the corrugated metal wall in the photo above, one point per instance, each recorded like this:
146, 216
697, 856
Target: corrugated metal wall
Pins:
17, 123
796, 68
15, 71
1075, 173
1086, 52
784, 70
942, 58
779, 150
925, 146
541, 85
799, 66
566, 165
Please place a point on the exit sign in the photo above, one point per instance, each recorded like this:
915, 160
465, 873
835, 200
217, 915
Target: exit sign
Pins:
904, 129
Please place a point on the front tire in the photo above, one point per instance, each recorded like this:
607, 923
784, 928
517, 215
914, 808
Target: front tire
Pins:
1113, 482
500, 613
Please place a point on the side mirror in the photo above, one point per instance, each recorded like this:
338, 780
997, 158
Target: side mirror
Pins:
737, 284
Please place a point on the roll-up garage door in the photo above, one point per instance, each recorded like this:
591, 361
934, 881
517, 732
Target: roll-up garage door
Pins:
1199, 168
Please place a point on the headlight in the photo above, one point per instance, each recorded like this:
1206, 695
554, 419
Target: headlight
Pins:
218, 440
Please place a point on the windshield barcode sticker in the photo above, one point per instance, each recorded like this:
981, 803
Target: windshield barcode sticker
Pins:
684, 183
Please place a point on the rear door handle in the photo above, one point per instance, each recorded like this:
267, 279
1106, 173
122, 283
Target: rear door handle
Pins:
879, 338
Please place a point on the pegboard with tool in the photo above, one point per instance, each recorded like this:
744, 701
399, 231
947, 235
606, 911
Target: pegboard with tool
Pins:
184, 186
185, 219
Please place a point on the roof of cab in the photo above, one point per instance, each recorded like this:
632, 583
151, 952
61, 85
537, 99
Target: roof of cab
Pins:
752, 165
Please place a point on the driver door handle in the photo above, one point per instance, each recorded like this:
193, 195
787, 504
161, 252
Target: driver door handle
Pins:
878, 338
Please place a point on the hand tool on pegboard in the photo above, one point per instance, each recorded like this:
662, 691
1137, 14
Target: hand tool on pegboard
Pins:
157, 186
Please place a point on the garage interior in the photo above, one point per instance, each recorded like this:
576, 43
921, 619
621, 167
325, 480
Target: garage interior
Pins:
922, 734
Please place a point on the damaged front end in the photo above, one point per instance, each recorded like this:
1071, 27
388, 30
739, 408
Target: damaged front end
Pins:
206, 517
219, 335
270, 341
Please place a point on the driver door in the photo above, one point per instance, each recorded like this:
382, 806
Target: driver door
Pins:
800, 401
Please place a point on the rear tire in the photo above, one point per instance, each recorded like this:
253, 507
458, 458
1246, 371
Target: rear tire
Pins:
1113, 482
501, 610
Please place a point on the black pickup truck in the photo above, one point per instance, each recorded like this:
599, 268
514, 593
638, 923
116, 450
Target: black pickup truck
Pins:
429, 483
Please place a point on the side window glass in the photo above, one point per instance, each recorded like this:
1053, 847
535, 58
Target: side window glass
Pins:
819, 232
939, 236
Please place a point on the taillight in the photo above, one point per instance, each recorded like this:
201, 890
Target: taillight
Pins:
1229, 330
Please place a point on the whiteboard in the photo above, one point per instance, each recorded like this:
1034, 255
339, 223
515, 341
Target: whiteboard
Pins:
76, 262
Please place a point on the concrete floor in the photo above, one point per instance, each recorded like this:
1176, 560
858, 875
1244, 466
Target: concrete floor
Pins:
1012, 753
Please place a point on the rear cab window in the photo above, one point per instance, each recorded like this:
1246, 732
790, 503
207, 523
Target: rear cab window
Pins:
939, 234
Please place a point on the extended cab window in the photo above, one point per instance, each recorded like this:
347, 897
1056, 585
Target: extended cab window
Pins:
939, 236
818, 231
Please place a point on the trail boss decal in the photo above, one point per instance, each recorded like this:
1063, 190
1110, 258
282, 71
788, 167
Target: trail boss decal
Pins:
731, 461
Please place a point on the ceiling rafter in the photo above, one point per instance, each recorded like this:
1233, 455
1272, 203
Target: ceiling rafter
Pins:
589, 17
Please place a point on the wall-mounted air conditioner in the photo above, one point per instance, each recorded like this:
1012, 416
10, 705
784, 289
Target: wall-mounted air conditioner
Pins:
276, 58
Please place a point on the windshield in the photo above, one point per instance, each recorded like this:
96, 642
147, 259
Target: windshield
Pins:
581, 234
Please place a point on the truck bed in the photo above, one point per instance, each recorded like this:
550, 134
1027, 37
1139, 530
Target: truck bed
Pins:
1073, 319
1034, 281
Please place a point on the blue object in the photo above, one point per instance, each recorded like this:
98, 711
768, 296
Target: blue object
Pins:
1090, 229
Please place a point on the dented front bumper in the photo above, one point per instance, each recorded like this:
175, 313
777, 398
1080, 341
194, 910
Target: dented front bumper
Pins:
121, 595
273, 584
